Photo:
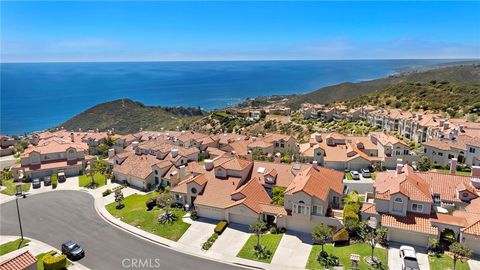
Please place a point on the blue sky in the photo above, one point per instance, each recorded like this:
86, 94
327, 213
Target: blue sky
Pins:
151, 31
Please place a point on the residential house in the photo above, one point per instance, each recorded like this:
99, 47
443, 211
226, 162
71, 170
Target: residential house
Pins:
464, 148
274, 143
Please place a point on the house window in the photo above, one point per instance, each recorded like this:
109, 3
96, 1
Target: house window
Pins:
417, 207
193, 190
471, 150
405, 152
277, 144
424, 150
317, 210
436, 198
398, 205
282, 145
156, 172
450, 156
440, 154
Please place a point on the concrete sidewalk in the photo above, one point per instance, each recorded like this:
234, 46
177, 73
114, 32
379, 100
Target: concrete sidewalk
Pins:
35, 247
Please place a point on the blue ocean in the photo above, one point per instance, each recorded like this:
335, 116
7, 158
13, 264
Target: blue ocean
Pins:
36, 96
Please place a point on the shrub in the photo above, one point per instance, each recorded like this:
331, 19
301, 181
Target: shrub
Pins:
51, 262
151, 202
54, 179
282, 230
262, 253
194, 215
167, 218
437, 166
328, 261
341, 236
351, 208
210, 241
221, 226
149, 186
106, 192
273, 230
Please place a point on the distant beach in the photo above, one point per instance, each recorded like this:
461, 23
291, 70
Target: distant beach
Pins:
37, 96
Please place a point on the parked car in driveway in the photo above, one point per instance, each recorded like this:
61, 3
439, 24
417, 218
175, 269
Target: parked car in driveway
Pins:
61, 177
355, 175
409, 258
72, 250
36, 183
47, 181
366, 173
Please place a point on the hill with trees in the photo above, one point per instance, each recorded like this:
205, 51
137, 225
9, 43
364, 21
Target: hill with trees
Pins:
461, 74
127, 116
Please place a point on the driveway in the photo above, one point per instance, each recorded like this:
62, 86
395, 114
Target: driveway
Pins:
231, 241
198, 233
293, 250
395, 263
54, 217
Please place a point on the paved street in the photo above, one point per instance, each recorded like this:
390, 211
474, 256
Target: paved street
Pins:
55, 217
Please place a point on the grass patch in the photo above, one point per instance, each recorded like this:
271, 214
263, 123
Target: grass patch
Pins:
361, 198
135, 213
85, 180
343, 254
445, 262
11, 187
270, 241
40, 260
13, 245
374, 176
457, 172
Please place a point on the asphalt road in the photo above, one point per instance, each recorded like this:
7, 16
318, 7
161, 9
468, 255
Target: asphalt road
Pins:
55, 217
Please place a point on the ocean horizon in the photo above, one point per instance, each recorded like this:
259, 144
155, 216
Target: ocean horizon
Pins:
37, 96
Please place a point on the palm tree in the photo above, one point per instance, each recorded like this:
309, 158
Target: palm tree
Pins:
459, 251
320, 234
257, 229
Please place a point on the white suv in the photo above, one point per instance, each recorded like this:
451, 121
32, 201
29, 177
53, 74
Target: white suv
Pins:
409, 258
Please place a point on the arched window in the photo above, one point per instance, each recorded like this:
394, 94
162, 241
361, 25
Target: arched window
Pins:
194, 190
398, 205
302, 202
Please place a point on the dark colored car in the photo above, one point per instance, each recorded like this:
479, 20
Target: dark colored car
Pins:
47, 181
72, 250
61, 177
36, 183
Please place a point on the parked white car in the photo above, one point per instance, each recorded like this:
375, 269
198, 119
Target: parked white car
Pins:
355, 175
409, 258
366, 173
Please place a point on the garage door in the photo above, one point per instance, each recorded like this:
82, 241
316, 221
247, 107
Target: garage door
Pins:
409, 237
241, 219
473, 244
212, 213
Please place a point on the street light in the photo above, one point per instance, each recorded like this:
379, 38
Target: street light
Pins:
19, 193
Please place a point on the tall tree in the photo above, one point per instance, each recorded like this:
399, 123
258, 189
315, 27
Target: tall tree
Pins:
258, 229
459, 251
321, 233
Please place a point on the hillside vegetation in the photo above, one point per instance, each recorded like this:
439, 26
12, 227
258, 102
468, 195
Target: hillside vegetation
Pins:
454, 99
128, 116
464, 74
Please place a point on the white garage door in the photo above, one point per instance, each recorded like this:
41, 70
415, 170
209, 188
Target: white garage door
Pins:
241, 219
212, 213
473, 244
409, 237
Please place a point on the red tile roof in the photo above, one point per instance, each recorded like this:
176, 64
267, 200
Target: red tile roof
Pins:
410, 222
473, 229
20, 262
317, 183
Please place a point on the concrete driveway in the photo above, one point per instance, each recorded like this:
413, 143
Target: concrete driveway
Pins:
293, 250
231, 241
395, 262
198, 233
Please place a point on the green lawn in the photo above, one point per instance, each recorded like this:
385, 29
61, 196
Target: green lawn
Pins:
457, 172
343, 254
270, 241
40, 261
85, 180
445, 262
11, 189
13, 245
135, 213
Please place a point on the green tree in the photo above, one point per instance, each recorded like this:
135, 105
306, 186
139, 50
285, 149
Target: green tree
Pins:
423, 163
460, 252
119, 198
278, 195
320, 234
258, 228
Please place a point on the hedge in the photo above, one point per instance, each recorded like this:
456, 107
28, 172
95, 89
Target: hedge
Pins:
351, 207
151, 202
221, 226
341, 236
106, 192
51, 262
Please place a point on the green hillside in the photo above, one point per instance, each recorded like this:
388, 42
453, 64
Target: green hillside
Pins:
468, 73
437, 96
128, 116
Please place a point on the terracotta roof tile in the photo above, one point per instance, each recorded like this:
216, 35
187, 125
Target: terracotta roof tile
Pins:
410, 222
20, 262
317, 183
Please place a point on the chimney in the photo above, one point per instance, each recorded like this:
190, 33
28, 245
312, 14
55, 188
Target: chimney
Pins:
434, 118
318, 137
476, 171
462, 128
446, 125
419, 117
174, 152
315, 165
399, 166
134, 144
441, 122
181, 172
249, 155
174, 176
111, 153
453, 166
451, 135
208, 164
72, 137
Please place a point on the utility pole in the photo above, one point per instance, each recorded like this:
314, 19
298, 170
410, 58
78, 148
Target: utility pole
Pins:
19, 220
